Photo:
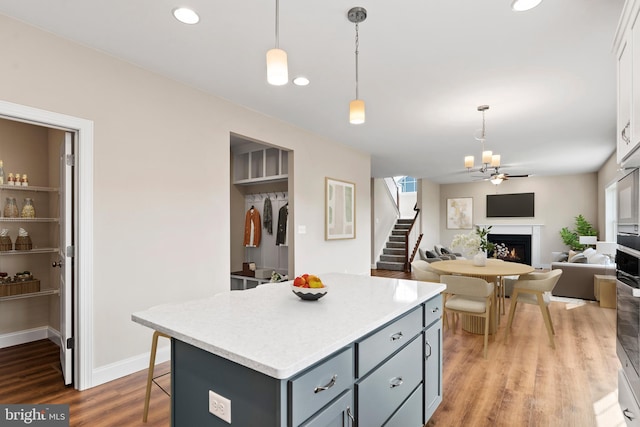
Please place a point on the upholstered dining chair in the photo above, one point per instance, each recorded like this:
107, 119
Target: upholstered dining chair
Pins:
469, 296
424, 272
535, 288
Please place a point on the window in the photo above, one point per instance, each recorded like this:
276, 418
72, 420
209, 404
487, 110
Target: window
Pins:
407, 184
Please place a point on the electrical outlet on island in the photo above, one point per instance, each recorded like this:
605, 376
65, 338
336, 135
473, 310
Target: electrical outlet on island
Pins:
220, 406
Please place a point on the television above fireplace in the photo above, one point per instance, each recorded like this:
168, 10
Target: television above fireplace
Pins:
518, 205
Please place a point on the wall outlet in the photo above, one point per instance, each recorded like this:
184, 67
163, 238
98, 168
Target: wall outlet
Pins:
220, 406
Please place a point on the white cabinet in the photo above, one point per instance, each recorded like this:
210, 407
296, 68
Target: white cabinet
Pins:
627, 401
624, 103
627, 48
262, 165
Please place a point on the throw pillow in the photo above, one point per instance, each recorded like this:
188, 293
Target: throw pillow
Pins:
438, 249
578, 259
431, 254
559, 256
597, 258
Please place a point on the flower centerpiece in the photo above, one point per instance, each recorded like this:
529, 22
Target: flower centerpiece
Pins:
475, 244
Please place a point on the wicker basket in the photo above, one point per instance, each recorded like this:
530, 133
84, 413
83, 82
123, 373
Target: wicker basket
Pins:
18, 288
23, 243
5, 243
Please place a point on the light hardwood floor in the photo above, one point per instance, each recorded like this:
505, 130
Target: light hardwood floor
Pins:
522, 383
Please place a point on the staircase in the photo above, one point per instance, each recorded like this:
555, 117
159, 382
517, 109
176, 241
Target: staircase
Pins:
394, 255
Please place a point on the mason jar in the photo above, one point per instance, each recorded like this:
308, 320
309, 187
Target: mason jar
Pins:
28, 211
10, 208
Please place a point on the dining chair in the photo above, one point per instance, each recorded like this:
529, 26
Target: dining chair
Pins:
469, 296
535, 288
423, 271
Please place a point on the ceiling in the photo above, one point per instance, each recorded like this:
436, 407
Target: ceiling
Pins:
548, 75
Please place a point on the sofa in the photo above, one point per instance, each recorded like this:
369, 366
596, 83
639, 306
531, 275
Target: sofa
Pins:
577, 274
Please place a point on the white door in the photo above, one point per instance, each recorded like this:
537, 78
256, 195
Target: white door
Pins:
66, 257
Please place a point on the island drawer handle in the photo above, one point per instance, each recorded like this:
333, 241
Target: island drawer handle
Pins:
395, 382
353, 420
396, 336
328, 386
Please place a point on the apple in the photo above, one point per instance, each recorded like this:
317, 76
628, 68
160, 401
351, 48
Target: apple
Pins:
314, 282
301, 282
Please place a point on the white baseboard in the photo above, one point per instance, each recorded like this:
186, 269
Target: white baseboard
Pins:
128, 366
29, 335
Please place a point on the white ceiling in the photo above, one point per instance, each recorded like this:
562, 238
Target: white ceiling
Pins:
549, 74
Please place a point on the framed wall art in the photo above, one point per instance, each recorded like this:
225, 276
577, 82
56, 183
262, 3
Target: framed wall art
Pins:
340, 209
460, 213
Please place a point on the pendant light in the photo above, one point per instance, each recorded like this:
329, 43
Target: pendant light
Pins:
489, 160
356, 107
277, 70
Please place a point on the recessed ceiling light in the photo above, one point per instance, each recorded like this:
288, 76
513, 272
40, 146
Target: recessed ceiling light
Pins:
523, 5
301, 81
186, 16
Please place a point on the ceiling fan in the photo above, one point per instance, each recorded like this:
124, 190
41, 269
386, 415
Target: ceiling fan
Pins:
496, 177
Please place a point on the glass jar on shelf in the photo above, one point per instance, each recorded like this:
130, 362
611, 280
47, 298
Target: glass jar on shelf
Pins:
28, 210
10, 208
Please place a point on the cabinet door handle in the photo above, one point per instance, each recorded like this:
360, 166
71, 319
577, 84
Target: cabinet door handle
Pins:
627, 413
428, 345
395, 382
396, 336
328, 386
351, 417
623, 134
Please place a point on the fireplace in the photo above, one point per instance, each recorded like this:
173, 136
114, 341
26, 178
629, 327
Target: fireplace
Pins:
516, 247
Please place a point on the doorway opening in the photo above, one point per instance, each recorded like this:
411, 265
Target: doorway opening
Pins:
60, 255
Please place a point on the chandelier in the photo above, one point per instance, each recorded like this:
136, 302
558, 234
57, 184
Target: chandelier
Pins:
489, 160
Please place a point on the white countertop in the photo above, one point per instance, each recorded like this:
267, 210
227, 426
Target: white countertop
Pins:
270, 330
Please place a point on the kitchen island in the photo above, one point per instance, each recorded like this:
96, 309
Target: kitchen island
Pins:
367, 353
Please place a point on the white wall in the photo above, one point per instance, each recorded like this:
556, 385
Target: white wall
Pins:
429, 202
161, 180
558, 200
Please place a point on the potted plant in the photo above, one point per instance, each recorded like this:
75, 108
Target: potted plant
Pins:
475, 244
582, 228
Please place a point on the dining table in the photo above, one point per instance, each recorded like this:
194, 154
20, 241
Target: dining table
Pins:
494, 270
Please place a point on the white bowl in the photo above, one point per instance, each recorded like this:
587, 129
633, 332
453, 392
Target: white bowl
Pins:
309, 294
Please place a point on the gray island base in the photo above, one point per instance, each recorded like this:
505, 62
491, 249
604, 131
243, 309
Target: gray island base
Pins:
369, 353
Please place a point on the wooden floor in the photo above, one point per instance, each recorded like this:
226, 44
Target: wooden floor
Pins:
522, 383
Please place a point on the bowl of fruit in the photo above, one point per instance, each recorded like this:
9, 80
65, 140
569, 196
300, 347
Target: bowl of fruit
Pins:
309, 287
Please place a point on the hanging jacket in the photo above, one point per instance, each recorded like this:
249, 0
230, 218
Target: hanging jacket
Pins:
281, 237
267, 212
252, 228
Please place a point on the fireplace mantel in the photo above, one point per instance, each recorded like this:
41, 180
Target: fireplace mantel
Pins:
532, 230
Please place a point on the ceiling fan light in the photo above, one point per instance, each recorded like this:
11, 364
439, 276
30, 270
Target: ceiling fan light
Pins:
524, 5
495, 180
468, 162
356, 112
277, 70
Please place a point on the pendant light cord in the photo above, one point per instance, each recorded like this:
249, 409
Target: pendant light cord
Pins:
277, 24
357, 49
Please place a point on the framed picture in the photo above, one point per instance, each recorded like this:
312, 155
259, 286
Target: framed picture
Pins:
460, 213
340, 210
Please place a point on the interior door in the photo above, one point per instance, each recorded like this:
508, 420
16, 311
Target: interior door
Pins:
66, 257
